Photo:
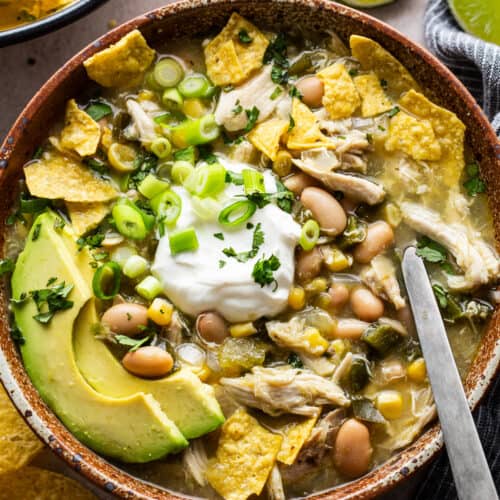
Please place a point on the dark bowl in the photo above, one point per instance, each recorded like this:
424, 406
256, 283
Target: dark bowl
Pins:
197, 18
49, 23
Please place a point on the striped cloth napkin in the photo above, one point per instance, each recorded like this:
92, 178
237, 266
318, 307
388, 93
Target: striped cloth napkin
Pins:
477, 64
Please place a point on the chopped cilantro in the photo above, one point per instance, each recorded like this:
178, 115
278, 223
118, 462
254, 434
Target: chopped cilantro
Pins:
277, 54
134, 344
50, 300
91, 241
145, 163
253, 116
257, 241
98, 109
263, 271
97, 165
244, 36
295, 92
238, 108
381, 128
28, 205
474, 185
228, 88
284, 198
6, 266
383, 83
205, 152
36, 232
276, 93
249, 225
222, 263
16, 335
431, 251
219, 236
369, 138
234, 178
294, 360
59, 223
441, 295
393, 112
292, 124
353, 72
186, 154
38, 153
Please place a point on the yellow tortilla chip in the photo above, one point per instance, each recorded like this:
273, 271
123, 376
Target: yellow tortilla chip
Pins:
245, 456
373, 57
80, 133
449, 131
106, 138
52, 5
266, 136
86, 216
59, 177
341, 98
295, 434
373, 98
40, 484
414, 137
18, 444
305, 133
231, 63
123, 63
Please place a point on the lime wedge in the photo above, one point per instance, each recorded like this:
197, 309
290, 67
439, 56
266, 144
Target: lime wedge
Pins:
366, 4
478, 17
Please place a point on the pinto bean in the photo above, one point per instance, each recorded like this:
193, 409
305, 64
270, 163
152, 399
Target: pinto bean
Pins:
126, 318
312, 90
353, 451
149, 361
325, 209
308, 264
365, 305
212, 327
379, 236
296, 183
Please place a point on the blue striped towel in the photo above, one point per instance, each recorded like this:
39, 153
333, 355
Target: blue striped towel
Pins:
477, 64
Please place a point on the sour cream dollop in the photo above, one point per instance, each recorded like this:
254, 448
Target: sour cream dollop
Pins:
197, 281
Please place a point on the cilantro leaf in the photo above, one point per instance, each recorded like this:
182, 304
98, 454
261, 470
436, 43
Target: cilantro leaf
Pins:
91, 241
98, 109
36, 232
219, 236
134, 344
50, 300
238, 108
295, 92
431, 251
393, 112
253, 116
475, 186
257, 241
294, 360
244, 37
6, 266
263, 271
144, 163
276, 53
276, 93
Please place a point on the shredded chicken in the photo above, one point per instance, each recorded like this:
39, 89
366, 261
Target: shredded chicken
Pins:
477, 260
142, 126
294, 335
343, 368
322, 366
320, 157
274, 485
195, 461
284, 390
380, 276
255, 92
354, 161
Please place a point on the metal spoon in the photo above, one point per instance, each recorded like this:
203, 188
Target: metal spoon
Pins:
469, 466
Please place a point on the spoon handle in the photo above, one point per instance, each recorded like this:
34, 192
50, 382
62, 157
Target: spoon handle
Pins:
469, 466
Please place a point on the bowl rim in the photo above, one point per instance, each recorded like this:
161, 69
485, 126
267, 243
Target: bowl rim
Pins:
96, 468
49, 23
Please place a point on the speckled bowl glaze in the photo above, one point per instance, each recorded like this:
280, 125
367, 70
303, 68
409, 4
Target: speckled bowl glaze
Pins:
190, 17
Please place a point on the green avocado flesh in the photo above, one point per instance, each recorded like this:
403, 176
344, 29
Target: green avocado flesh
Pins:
129, 420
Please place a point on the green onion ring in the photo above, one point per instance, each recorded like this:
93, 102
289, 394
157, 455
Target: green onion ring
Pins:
237, 213
101, 275
309, 235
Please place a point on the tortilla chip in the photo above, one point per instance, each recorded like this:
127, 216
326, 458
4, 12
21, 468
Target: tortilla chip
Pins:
414, 137
373, 98
373, 57
123, 63
222, 66
80, 133
449, 131
295, 434
18, 444
306, 133
106, 138
59, 177
266, 136
341, 98
53, 5
245, 456
86, 216
40, 484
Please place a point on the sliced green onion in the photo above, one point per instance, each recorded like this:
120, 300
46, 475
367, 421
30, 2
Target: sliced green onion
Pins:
106, 281
150, 82
121, 254
209, 180
161, 147
237, 213
184, 240
253, 180
172, 99
180, 171
149, 288
309, 235
168, 72
131, 221
186, 154
135, 266
167, 206
206, 209
152, 186
195, 86
194, 132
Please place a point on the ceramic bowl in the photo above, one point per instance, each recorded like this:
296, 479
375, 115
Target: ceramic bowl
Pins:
190, 17
49, 23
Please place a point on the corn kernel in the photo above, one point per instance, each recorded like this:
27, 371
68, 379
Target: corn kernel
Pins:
314, 339
242, 330
297, 298
390, 404
317, 285
416, 371
336, 260
194, 108
202, 372
339, 347
145, 95
160, 312
323, 301
392, 214
282, 165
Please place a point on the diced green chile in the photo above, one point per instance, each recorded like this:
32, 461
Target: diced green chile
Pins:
359, 374
381, 337
354, 233
364, 409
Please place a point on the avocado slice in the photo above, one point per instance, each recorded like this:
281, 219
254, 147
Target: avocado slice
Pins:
131, 428
187, 401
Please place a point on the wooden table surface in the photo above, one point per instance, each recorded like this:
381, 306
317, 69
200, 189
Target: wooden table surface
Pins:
26, 66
